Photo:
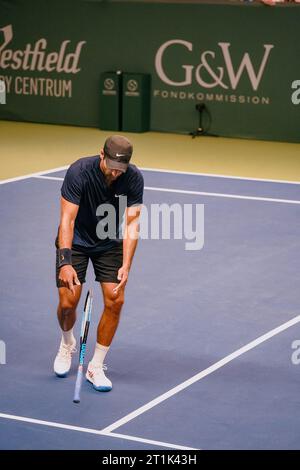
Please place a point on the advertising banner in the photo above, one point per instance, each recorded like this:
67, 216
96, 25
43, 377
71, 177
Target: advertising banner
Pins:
241, 61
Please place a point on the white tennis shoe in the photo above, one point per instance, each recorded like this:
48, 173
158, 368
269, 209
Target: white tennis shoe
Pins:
63, 360
95, 375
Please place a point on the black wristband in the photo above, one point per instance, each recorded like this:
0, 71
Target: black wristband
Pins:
64, 257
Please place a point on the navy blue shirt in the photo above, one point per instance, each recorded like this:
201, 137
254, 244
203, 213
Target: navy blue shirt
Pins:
85, 185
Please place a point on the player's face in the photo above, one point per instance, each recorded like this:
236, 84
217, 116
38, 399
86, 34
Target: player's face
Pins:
111, 175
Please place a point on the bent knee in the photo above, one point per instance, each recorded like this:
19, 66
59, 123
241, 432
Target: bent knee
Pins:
114, 303
67, 307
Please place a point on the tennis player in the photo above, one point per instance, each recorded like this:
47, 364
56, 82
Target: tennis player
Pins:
90, 183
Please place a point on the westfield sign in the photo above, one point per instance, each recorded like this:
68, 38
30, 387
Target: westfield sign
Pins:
207, 73
36, 57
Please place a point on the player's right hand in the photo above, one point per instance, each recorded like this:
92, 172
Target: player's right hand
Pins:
68, 277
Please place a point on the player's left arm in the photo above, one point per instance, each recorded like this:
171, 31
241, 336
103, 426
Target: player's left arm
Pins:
130, 241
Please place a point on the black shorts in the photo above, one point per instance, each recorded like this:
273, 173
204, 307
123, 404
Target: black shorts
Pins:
106, 265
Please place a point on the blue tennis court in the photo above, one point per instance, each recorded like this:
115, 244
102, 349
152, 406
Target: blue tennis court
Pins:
202, 356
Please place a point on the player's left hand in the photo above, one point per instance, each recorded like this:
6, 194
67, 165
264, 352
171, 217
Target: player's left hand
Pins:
122, 276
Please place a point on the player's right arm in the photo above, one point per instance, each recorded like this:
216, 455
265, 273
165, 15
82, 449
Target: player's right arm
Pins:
67, 274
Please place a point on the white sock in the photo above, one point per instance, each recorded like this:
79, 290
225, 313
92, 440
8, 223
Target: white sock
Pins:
99, 354
68, 337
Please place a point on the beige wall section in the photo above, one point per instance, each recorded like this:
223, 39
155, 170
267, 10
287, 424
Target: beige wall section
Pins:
27, 148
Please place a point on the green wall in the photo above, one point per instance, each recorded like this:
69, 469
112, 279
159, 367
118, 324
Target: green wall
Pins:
240, 60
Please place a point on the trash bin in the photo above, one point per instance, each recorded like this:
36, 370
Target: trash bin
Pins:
110, 101
136, 102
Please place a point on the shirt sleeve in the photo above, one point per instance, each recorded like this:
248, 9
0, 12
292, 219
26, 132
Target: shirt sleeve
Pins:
136, 191
71, 189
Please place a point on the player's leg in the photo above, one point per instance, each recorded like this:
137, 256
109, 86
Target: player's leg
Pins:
66, 310
66, 314
106, 330
110, 318
106, 269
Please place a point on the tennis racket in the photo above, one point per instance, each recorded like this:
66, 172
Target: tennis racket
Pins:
85, 323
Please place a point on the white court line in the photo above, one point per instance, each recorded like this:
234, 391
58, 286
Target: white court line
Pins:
198, 193
32, 175
148, 441
212, 175
201, 374
158, 170
230, 196
92, 431
56, 178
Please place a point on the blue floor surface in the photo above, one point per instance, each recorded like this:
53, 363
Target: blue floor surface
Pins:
184, 311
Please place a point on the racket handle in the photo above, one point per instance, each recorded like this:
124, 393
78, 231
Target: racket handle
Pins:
76, 398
